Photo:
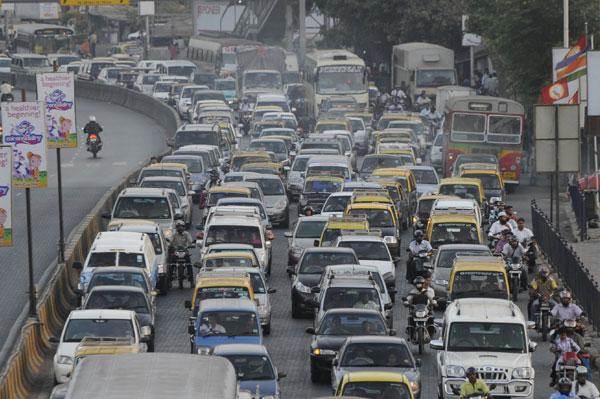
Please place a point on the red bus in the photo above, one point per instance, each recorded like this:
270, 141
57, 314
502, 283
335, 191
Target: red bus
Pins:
485, 125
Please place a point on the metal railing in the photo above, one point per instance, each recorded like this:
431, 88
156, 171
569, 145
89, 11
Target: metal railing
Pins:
579, 208
254, 17
567, 263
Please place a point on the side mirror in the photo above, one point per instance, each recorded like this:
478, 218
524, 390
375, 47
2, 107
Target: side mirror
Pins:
77, 266
146, 331
187, 304
281, 375
437, 344
310, 330
317, 243
288, 234
268, 244
271, 290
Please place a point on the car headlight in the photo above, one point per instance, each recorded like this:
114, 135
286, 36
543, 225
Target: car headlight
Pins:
280, 205
302, 288
64, 359
421, 314
523, 373
415, 387
161, 268
390, 240
441, 282
323, 352
455, 371
204, 350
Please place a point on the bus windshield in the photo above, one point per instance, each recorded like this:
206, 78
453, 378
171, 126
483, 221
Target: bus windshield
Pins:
504, 129
435, 77
468, 127
341, 79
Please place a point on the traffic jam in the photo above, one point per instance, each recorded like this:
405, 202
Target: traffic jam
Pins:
381, 223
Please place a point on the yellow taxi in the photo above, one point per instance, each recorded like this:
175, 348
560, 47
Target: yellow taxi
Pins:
397, 194
381, 216
269, 168
424, 205
406, 178
240, 158
463, 187
332, 124
397, 149
215, 193
490, 178
217, 287
478, 277
172, 166
216, 260
453, 229
374, 384
335, 225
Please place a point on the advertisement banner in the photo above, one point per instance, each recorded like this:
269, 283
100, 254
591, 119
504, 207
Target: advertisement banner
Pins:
5, 196
216, 15
24, 126
57, 90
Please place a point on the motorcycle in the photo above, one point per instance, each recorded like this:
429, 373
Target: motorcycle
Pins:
515, 270
543, 318
420, 334
419, 261
94, 144
530, 254
181, 267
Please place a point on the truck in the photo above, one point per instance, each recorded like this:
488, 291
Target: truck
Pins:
422, 67
260, 70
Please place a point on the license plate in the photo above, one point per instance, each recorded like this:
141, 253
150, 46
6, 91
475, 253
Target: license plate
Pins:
509, 175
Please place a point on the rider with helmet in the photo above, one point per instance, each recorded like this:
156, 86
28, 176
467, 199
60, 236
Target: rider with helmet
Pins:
564, 388
543, 285
583, 388
419, 244
422, 294
92, 127
474, 386
566, 310
181, 239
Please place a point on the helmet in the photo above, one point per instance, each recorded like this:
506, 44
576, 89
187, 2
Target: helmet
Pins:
418, 282
418, 233
92, 118
564, 385
564, 294
180, 223
471, 371
581, 370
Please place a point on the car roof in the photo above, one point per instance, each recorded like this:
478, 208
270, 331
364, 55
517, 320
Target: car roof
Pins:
234, 221
144, 191
483, 310
118, 269
134, 225
375, 339
228, 304
352, 311
356, 237
102, 314
375, 376
313, 218
240, 349
123, 288
163, 178
231, 246
462, 246
329, 249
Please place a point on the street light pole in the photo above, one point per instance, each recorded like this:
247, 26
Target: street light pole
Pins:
302, 30
566, 23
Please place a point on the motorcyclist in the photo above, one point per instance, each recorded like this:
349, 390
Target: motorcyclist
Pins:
542, 285
512, 216
181, 239
523, 234
582, 388
474, 386
422, 99
92, 127
566, 310
562, 344
564, 388
421, 294
499, 225
514, 251
417, 245
504, 239
6, 90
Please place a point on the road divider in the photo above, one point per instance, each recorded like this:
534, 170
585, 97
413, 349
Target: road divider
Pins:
26, 354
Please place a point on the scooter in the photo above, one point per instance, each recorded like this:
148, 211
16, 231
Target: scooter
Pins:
181, 267
94, 145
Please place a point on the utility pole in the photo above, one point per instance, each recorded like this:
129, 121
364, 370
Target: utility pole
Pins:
302, 31
566, 23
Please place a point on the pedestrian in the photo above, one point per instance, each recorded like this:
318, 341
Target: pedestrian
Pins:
492, 84
93, 39
173, 49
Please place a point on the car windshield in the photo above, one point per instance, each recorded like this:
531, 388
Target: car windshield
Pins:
300, 164
228, 262
377, 217
251, 367
173, 185
315, 262
341, 79
368, 250
238, 162
150, 79
228, 323
352, 324
454, 233
330, 126
465, 191
234, 235
336, 203
435, 77
370, 354
310, 228
77, 329
486, 337
424, 207
377, 390
371, 163
350, 297
445, 258
270, 186
133, 259
489, 181
102, 259
194, 165
118, 278
277, 147
425, 176
322, 186
262, 80
213, 198
182, 70
142, 208
135, 301
196, 137
35, 62
476, 284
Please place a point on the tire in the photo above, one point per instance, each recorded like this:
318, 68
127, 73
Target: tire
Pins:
180, 276
315, 375
94, 154
296, 314
515, 285
544, 327
267, 329
421, 340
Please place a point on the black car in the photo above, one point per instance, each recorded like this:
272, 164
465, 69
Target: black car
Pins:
307, 275
332, 331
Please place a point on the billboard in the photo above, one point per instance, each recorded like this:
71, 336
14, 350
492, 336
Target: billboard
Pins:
57, 90
215, 16
24, 126
5, 196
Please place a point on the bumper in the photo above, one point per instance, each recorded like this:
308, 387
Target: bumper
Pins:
322, 362
278, 216
62, 372
509, 389
301, 300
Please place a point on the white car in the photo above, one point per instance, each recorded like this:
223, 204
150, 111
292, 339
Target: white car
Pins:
95, 323
437, 151
336, 203
179, 186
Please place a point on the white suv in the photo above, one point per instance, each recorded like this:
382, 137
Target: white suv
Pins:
491, 336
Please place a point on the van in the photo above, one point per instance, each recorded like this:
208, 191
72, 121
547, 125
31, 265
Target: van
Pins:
177, 68
30, 64
478, 277
90, 68
196, 134
454, 229
119, 248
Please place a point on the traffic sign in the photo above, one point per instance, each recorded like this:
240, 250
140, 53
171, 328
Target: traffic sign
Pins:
95, 2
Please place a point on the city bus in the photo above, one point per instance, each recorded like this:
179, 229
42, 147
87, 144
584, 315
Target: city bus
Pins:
335, 73
44, 38
485, 125
217, 54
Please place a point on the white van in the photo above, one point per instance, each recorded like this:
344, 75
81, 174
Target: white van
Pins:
177, 68
30, 63
119, 248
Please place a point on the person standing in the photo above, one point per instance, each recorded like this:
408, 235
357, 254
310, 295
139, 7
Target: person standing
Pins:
93, 41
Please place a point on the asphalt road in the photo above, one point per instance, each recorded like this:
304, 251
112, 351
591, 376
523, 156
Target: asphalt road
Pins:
129, 139
288, 344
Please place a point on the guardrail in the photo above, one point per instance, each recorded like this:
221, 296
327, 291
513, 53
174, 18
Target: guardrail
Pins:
568, 264
28, 349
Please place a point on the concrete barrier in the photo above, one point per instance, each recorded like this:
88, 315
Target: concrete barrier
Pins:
28, 349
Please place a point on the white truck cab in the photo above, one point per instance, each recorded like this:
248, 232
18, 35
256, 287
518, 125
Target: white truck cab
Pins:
491, 336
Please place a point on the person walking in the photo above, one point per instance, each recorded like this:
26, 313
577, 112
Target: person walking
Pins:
93, 41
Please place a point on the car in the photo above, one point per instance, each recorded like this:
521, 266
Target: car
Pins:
336, 203
210, 155
317, 189
180, 187
361, 135
127, 298
235, 259
296, 176
479, 277
30, 64
277, 146
380, 353
212, 283
248, 202
352, 270
162, 90
336, 225
276, 200
306, 275
331, 332
197, 170
254, 367
372, 162
103, 323
168, 169
472, 158
436, 156
184, 102
110, 75
376, 384
505, 360
62, 59
306, 230
145, 82
426, 177
381, 215
230, 247
255, 190
224, 321
119, 276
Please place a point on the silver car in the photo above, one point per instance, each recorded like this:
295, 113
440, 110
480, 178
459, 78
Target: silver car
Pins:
276, 200
305, 232
296, 175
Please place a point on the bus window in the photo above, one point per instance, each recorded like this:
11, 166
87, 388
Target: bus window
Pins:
468, 127
504, 129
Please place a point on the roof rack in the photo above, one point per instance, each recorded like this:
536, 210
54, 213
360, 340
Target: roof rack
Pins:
367, 233
348, 218
104, 341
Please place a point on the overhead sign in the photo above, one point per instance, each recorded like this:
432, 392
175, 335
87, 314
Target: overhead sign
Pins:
146, 8
24, 126
557, 144
94, 2
58, 92
215, 15
5, 196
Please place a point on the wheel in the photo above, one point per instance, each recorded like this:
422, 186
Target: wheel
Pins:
315, 375
151, 345
267, 329
544, 327
180, 276
421, 340
94, 154
515, 289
